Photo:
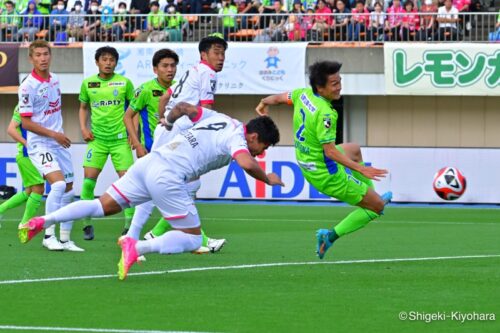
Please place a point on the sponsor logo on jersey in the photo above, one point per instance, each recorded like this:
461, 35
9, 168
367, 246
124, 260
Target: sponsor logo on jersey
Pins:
157, 93
116, 84
43, 91
307, 103
25, 98
54, 104
94, 85
105, 103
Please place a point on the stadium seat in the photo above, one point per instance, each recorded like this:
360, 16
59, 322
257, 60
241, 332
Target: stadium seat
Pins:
42, 34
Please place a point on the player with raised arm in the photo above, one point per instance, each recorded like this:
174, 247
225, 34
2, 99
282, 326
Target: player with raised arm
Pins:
162, 176
32, 180
40, 110
335, 170
105, 96
197, 86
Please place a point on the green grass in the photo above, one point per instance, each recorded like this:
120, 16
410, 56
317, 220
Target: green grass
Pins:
359, 297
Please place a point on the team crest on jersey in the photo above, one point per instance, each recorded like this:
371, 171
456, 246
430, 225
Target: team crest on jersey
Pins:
115, 92
157, 93
137, 92
327, 121
213, 85
94, 85
25, 98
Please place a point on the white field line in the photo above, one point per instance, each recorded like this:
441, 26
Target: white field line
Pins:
76, 329
378, 221
249, 266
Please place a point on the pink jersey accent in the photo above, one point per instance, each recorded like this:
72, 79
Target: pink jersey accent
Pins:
199, 115
120, 193
236, 153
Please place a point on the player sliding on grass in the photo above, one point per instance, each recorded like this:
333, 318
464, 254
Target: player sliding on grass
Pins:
337, 171
162, 176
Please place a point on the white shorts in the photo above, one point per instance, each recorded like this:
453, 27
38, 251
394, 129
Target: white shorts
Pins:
151, 178
49, 159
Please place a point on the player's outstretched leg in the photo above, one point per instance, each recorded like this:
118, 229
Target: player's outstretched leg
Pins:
73, 211
369, 209
14, 201
88, 194
172, 242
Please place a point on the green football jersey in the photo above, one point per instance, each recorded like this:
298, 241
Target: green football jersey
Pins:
146, 100
314, 124
16, 117
108, 100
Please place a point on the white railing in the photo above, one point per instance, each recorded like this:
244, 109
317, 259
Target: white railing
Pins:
469, 27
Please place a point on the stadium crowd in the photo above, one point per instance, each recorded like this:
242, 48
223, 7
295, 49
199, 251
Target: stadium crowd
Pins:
261, 20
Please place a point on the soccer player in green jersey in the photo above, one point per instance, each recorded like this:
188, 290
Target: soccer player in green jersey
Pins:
335, 170
146, 101
32, 180
105, 96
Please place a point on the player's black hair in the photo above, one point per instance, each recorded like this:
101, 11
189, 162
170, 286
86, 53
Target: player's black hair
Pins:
266, 129
164, 53
8, 2
207, 42
106, 50
320, 71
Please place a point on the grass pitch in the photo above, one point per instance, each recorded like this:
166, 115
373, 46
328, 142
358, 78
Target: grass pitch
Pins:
347, 294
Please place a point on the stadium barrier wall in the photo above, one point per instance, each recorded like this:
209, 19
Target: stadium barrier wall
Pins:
411, 174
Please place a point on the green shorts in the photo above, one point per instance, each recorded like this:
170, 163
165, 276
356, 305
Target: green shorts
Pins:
28, 171
342, 185
98, 151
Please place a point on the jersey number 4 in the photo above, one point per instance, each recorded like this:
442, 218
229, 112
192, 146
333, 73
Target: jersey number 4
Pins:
299, 132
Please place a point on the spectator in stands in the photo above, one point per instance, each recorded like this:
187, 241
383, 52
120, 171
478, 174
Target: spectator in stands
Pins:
297, 7
92, 24
76, 22
377, 22
410, 23
121, 20
394, 20
156, 24
9, 22
293, 29
32, 22
273, 25
447, 18
360, 19
463, 6
175, 23
427, 22
322, 22
341, 21
370, 5
88, 3
44, 7
247, 7
58, 21
140, 8
228, 11
107, 20
308, 20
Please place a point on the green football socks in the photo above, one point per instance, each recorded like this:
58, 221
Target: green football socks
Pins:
13, 202
87, 194
34, 202
354, 221
129, 214
162, 226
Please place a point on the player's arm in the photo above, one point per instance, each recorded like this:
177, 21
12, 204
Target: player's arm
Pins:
14, 134
333, 153
252, 167
31, 126
182, 109
82, 115
164, 99
129, 119
263, 107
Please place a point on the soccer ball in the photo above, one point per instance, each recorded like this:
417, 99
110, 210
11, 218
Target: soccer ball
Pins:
449, 183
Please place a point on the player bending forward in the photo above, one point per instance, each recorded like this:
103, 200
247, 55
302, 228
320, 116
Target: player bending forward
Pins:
335, 170
162, 176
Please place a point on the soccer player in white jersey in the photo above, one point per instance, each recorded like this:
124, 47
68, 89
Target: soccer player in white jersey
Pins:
197, 86
163, 174
40, 110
